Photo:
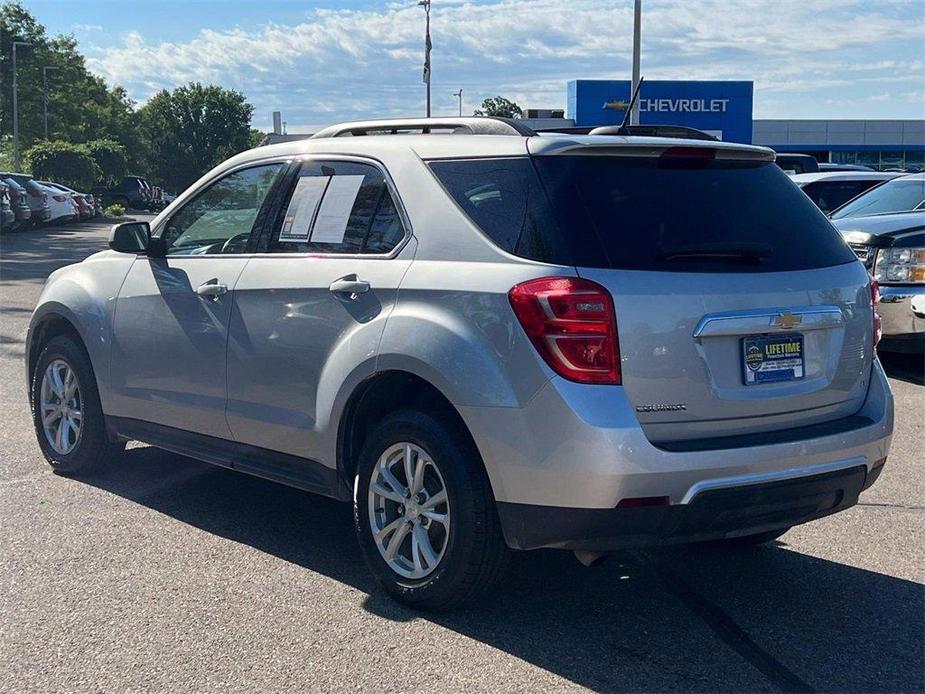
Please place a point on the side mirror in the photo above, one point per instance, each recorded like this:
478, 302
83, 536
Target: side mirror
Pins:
130, 237
135, 237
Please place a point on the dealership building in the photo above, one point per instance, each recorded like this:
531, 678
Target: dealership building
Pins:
724, 109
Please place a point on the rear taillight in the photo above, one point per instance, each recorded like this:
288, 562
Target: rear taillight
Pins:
875, 305
571, 323
59, 198
33, 193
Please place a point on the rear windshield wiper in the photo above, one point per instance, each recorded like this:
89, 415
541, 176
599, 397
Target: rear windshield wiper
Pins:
748, 252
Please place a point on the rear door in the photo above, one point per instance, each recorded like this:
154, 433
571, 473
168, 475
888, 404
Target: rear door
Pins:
739, 307
311, 306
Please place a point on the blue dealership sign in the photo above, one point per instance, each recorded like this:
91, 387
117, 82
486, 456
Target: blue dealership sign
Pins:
720, 108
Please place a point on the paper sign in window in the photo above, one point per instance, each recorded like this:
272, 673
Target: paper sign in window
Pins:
305, 199
331, 222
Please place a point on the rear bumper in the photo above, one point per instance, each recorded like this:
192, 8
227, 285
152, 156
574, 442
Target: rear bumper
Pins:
575, 452
713, 514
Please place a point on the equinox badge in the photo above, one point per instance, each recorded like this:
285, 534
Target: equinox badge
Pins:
662, 407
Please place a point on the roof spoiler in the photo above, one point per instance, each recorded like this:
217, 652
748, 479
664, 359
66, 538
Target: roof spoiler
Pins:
472, 125
676, 131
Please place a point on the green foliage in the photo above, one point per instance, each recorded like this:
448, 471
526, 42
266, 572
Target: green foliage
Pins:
173, 139
256, 138
499, 106
63, 162
80, 105
193, 128
110, 157
115, 210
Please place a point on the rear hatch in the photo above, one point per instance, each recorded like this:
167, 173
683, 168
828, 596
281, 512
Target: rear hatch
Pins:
739, 308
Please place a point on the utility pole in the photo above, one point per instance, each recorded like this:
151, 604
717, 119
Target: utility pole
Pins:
458, 95
637, 21
45, 70
16, 107
427, 47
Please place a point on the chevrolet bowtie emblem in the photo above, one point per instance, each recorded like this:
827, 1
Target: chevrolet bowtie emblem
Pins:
787, 320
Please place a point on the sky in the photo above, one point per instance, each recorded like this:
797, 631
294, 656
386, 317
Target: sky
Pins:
324, 61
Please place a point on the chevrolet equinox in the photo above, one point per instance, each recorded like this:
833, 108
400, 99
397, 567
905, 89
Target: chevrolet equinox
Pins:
485, 338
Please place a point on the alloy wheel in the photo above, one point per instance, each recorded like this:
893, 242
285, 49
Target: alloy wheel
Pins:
409, 512
61, 407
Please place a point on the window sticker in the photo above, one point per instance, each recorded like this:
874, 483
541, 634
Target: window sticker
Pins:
331, 223
305, 199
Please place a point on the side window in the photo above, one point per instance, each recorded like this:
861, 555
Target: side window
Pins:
503, 197
220, 218
834, 194
338, 207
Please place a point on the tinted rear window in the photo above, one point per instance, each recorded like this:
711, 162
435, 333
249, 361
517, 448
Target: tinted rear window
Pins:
637, 213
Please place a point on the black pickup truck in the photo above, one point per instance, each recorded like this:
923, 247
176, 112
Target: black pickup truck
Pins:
132, 192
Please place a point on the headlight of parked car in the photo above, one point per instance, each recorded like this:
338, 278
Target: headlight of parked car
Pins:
904, 265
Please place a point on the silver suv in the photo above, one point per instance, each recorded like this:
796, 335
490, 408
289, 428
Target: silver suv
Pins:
484, 338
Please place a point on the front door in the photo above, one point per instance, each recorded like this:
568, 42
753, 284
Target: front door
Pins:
170, 329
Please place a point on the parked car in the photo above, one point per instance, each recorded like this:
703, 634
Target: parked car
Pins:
61, 206
832, 189
131, 192
35, 195
797, 163
19, 202
828, 166
7, 216
901, 194
892, 248
86, 207
483, 343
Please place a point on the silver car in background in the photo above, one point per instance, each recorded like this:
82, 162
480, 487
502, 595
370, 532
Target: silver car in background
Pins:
484, 338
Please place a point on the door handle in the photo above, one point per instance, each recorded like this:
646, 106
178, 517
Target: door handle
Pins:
212, 289
351, 285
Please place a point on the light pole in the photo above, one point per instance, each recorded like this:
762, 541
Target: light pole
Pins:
637, 21
45, 70
427, 46
458, 95
16, 107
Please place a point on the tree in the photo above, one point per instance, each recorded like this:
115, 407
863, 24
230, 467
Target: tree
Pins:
193, 128
110, 157
63, 162
80, 104
499, 106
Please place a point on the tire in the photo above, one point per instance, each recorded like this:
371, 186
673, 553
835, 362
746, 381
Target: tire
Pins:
469, 548
89, 448
746, 541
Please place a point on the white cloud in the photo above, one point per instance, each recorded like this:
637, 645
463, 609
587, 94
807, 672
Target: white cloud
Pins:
362, 63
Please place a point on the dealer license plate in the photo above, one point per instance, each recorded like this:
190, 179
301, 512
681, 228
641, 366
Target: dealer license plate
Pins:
772, 359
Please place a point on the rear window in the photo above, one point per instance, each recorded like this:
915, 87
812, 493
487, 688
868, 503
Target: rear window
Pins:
897, 195
643, 214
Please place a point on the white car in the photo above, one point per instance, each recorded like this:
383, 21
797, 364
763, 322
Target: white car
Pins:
61, 203
832, 189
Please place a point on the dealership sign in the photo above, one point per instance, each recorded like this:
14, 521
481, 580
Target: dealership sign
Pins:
683, 105
720, 108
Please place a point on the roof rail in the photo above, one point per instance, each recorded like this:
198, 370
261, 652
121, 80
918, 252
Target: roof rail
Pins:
655, 131
473, 125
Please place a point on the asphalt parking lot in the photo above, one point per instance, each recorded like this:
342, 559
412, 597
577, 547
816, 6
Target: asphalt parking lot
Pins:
169, 574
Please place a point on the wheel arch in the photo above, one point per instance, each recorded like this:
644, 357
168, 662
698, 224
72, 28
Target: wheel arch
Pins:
378, 395
49, 325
